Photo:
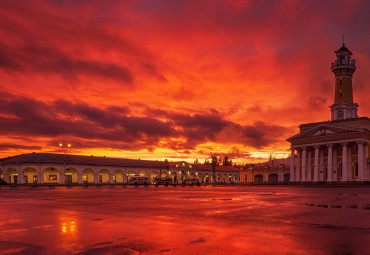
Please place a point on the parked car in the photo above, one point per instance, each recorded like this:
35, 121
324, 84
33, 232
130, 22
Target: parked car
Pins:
191, 181
2, 182
162, 181
138, 180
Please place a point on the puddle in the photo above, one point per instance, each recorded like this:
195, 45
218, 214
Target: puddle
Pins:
362, 207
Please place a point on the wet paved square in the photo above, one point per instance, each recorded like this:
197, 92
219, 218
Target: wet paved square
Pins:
185, 220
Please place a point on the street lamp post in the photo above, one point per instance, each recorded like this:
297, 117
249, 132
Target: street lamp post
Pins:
64, 147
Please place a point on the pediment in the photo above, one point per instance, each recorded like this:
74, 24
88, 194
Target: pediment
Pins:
324, 130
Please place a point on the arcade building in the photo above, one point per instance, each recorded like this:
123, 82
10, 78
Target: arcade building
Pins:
67, 169
334, 151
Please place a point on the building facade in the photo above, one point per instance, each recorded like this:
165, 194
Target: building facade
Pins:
66, 169
334, 151
274, 171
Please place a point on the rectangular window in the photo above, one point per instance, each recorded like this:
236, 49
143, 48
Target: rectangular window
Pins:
25, 178
114, 178
84, 178
35, 179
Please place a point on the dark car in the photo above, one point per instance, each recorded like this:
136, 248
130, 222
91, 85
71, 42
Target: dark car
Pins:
2, 182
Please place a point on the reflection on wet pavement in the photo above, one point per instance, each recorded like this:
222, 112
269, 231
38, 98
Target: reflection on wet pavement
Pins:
184, 220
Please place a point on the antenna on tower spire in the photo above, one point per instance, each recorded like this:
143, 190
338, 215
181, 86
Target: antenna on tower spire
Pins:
343, 40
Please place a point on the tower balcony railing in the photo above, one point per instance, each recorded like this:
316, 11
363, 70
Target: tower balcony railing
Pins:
343, 64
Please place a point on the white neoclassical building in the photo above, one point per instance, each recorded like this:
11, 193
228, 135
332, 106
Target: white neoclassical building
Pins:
67, 169
337, 150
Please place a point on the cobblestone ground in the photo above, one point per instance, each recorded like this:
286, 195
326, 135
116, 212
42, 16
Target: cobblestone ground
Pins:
185, 220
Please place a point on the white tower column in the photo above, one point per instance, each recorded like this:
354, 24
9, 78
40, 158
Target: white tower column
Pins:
292, 175
304, 164
360, 161
344, 162
330, 163
316, 165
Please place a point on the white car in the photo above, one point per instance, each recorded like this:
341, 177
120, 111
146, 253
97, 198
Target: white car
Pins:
138, 180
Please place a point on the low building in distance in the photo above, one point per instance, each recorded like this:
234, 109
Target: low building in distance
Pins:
51, 168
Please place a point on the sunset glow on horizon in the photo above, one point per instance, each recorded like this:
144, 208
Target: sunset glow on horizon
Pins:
176, 80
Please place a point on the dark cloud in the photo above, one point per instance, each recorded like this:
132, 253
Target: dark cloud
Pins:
112, 127
7, 146
37, 58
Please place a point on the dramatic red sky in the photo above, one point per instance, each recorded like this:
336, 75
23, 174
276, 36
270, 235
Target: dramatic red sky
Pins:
176, 79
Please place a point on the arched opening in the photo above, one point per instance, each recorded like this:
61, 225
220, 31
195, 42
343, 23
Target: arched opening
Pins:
206, 178
355, 170
230, 178
224, 178
164, 174
286, 178
130, 174
103, 176
70, 175
245, 178
219, 178
236, 178
30, 175
273, 179
192, 175
153, 174
143, 173
12, 175
118, 176
88, 175
258, 179
51, 175
174, 177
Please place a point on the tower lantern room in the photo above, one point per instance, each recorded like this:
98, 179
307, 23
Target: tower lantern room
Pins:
343, 68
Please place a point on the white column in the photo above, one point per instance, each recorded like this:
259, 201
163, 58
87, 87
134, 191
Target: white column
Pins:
316, 165
79, 178
321, 165
309, 166
349, 163
96, 178
366, 167
20, 176
5, 175
292, 175
304, 163
344, 162
298, 170
110, 177
40, 176
335, 165
360, 161
330, 163
61, 177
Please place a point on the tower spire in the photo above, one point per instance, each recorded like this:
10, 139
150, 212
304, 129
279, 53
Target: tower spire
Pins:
343, 40
343, 68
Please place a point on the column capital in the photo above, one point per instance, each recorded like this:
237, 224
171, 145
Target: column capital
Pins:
344, 144
329, 144
360, 142
316, 146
